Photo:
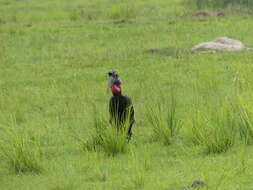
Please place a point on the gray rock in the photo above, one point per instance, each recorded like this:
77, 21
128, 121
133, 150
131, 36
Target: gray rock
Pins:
220, 44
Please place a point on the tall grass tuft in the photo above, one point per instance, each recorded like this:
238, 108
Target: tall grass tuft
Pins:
108, 137
245, 113
114, 141
95, 139
22, 152
215, 131
124, 11
164, 121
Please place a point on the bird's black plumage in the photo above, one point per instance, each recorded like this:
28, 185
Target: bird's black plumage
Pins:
121, 110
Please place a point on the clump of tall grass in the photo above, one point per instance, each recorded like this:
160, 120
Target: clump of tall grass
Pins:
114, 141
95, 139
22, 152
107, 137
245, 113
124, 11
164, 121
215, 130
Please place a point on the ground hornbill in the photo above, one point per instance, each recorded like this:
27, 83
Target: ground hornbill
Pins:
120, 107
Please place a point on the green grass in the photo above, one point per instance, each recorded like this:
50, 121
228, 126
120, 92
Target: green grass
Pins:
164, 121
245, 121
106, 137
54, 56
200, 4
216, 131
21, 153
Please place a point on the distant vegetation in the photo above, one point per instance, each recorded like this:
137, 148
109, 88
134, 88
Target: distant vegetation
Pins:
200, 4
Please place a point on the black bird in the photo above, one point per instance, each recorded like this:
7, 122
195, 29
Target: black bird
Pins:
121, 109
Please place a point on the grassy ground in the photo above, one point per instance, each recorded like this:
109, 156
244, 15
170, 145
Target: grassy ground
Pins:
54, 56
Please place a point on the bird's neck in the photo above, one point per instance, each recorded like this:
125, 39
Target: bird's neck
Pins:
117, 95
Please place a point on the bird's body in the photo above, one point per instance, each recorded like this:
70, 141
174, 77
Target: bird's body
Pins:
121, 112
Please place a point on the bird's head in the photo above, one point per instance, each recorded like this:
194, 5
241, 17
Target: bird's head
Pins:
114, 82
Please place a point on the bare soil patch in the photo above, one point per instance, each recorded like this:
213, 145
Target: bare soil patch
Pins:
208, 14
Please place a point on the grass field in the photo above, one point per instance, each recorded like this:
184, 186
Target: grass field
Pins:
54, 56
